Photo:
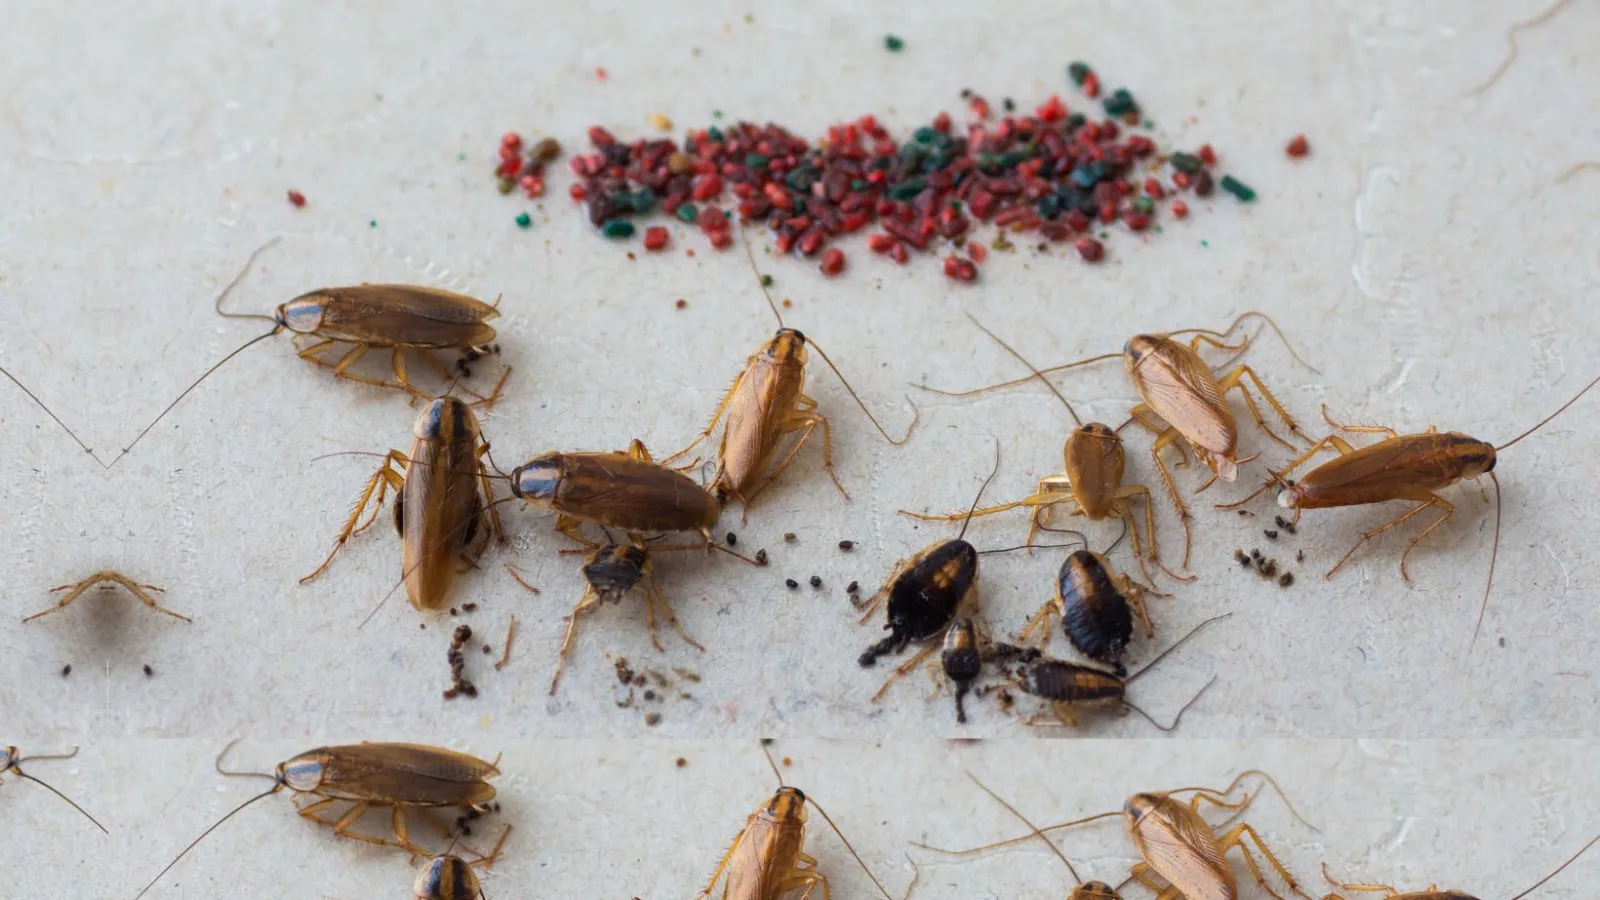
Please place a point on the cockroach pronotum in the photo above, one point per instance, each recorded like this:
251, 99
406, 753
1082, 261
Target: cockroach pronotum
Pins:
627, 491
1064, 686
766, 403
1179, 846
1184, 401
768, 860
370, 776
11, 760
107, 579
1433, 892
438, 505
1410, 467
1091, 478
396, 317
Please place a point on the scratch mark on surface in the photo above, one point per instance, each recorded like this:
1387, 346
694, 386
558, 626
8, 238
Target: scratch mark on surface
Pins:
1566, 577
1511, 41
1400, 836
1366, 228
1575, 168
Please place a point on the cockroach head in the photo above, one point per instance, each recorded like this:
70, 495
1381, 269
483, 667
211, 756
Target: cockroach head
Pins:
537, 480
787, 344
787, 803
1139, 346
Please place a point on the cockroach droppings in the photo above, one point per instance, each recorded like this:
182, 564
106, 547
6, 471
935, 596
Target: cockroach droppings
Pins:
67, 669
470, 607
788, 537
1299, 556
1286, 579
791, 584
1241, 557
853, 588
1271, 535
681, 303
816, 581
733, 539
761, 557
148, 672
682, 762
847, 546
652, 719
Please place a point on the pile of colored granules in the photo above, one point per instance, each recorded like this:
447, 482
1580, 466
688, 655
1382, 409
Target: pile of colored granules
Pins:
1059, 173
524, 167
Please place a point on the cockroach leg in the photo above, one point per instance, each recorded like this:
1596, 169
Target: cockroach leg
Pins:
1235, 379
711, 425
1171, 438
381, 481
655, 596
900, 671
1431, 501
1387, 890
1235, 838
805, 419
1384, 430
342, 826
141, 592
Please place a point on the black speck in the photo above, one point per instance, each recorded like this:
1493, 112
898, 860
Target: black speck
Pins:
148, 672
853, 588
1299, 556
649, 695
847, 546
652, 719
1286, 579
788, 537
816, 581
453, 611
1255, 553
67, 669
761, 557
733, 539
791, 583
469, 607
1502, 643
1271, 535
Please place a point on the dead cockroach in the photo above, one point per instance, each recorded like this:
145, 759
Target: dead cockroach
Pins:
1066, 686
627, 491
1184, 401
108, 579
1400, 467
437, 507
1433, 892
967, 648
768, 860
1178, 845
1081, 890
396, 317
1097, 606
1091, 479
450, 877
11, 761
370, 776
766, 403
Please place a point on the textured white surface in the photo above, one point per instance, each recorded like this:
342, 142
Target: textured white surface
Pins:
597, 820
1424, 257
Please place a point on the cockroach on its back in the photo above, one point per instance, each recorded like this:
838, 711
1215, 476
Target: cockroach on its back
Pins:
107, 578
1433, 892
11, 760
627, 491
767, 403
370, 776
397, 317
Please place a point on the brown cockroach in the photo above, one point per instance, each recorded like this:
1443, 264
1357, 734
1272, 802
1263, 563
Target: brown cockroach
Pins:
396, 317
1179, 846
627, 491
1090, 481
768, 860
370, 776
107, 578
11, 760
1433, 892
1081, 890
1411, 467
766, 403
438, 505
1065, 686
1184, 401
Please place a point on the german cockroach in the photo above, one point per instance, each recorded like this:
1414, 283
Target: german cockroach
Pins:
1081, 890
1400, 467
767, 403
396, 317
1184, 401
438, 505
107, 579
1091, 478
1179, 846
1097, 606
768, 860
450, 877
1066, 686
11, 761
967, 649
627, 491
370, 776
1433, 892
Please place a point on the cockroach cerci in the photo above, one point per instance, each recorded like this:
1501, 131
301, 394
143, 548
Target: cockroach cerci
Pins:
766, 404
1184, 401
398, 777
395, 317
1433, 892
11, 761
107, 579
1090, 482
442, 496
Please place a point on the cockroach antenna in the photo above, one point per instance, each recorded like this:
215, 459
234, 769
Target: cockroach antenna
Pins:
12, 762
976, 500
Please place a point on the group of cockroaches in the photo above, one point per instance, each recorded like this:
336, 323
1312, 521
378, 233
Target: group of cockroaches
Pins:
1181, 853
445, 509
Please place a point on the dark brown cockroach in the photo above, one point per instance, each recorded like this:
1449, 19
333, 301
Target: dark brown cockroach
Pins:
768, 860
765, 405
1093, 460
1064, 686
1178, 846
1081, 890
967, 649
1409, 467
395, 317
1184, 401
47, 411
1097, 606
1433, 892
107, 579
438, 505
11, 760
370, 776
627, 491
450, 877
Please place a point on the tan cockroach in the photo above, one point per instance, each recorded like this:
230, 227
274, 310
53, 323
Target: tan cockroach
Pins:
1178, 845
11, 760
768, 860
1090, 481
370, 776
1081, 890
438, 505
627, 491
1410, 467
1184, 401
1433, 892
395, 317
766, 403
107, 578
